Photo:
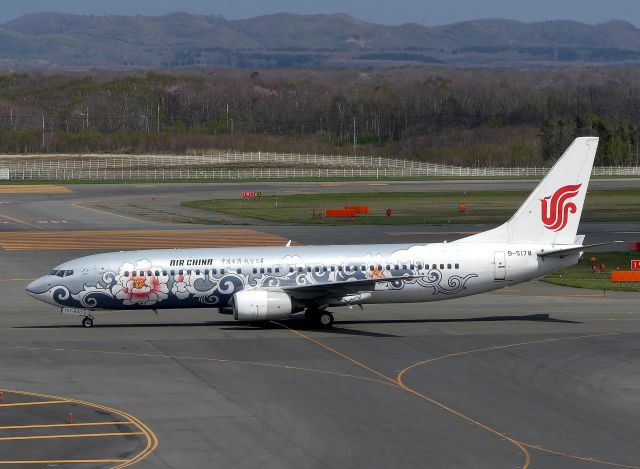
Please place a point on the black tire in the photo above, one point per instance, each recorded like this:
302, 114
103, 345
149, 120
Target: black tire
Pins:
325, 319
87, 322
318, 318
310, 316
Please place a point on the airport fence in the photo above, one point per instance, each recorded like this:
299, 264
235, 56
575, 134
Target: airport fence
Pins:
250, 166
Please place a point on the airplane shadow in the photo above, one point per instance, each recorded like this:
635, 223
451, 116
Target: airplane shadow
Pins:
294, 323
300, 324
530, 317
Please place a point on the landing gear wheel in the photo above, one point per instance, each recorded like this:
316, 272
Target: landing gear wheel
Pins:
310, 316
318, 318
87, 322
325, 319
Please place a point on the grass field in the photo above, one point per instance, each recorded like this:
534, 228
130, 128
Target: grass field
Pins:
415, 207
582, 275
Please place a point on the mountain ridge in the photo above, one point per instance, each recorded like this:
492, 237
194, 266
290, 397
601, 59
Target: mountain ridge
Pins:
60, 40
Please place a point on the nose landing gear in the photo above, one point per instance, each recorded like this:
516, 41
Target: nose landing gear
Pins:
318, 318
87, 321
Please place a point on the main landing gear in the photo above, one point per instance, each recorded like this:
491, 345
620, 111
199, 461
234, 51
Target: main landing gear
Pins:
318, 318
87, 321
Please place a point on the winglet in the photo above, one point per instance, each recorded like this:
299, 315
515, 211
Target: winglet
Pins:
288, 245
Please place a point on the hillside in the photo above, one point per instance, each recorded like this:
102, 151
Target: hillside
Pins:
55, 40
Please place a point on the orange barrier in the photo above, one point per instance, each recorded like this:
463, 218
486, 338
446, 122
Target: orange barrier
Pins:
360, 209
625, 276
338, 213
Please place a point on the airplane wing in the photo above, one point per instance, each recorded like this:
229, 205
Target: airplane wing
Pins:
347, 285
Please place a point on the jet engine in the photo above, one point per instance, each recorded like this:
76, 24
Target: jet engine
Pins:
261, 305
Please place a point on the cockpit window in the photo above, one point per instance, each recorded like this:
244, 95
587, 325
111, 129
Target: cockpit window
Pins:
60, 273
53, 272
68, 273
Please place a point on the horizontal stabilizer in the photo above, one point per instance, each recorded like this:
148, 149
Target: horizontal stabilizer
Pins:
566, 252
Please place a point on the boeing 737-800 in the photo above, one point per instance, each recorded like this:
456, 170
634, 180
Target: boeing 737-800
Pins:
267, 283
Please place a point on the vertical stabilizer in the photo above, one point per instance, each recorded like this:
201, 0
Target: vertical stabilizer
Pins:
552, 212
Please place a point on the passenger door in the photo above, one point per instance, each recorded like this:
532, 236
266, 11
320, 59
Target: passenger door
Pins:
499, 266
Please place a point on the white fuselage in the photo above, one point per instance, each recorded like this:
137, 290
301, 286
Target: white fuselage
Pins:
174, 278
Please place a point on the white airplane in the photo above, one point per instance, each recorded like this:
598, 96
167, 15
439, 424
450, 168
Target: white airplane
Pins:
267, 283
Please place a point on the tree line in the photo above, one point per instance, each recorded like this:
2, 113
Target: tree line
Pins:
472, 117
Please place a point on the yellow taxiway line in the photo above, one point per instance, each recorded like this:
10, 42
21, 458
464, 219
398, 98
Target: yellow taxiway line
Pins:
67, 461
17, 404
522, 446
54, 425
78, 435
33, 189
137, 239
150, 436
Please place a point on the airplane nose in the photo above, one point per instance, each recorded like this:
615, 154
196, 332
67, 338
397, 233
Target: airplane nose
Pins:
36, 287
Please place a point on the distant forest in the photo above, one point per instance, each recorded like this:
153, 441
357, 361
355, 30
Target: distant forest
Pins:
475, 117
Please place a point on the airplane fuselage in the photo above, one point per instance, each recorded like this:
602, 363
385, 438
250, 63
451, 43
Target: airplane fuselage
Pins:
177, 278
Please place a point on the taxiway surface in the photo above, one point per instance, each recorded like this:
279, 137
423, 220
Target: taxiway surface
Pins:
531, 376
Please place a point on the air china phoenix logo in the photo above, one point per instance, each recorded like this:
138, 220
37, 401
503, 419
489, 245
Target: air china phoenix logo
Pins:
556, 207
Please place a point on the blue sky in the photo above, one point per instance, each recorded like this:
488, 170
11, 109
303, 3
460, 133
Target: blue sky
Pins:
428, 12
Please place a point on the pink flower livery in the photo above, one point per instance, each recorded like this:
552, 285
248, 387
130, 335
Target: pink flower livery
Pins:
136, 289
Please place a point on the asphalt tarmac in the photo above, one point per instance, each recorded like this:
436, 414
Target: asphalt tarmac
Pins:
531, 376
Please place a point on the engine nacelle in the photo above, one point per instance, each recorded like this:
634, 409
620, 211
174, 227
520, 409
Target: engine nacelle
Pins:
261, 305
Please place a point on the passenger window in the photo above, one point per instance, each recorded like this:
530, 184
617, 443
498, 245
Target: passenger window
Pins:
388, 267
173, 272
434, 266
180, 272
291, 269
324, 268
457, 266
262, 270
448, 266
268, 270
339, 268
214, 271
197, 271
404, 266
363, 268
300, 269
396, 267
277, 270
442, 266
157, 273
412, 266
221, 271
189, 272
255, 271
333, 268
126, 273
308, 269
